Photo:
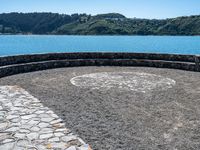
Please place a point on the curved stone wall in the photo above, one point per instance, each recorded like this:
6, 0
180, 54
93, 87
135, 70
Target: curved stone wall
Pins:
62, 56
11, 65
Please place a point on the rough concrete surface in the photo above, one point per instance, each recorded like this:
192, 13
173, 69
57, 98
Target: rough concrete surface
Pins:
25, 124
165, 116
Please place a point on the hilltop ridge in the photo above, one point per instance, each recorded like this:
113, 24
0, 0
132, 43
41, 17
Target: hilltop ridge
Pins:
102, 24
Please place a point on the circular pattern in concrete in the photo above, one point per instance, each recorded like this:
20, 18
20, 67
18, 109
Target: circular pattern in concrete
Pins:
119, 119
133, 81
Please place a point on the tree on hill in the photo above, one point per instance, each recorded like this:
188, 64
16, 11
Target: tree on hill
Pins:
103, 24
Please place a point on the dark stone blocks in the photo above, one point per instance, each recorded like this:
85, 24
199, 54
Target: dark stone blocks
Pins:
27, 63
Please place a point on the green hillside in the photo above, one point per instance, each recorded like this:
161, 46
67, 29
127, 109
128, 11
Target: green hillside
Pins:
104, 24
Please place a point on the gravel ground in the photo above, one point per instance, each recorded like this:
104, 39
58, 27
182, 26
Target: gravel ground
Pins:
121, 119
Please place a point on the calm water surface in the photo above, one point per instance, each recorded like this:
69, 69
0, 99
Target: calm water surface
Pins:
29, 44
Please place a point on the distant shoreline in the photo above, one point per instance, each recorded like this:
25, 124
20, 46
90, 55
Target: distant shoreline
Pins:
93, 35
103, 24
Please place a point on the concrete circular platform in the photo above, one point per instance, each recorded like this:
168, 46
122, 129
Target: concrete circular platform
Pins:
123, 107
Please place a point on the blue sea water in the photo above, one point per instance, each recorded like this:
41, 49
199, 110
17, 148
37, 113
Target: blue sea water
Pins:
31, 44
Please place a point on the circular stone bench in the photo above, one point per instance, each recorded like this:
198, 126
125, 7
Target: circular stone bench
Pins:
11, 65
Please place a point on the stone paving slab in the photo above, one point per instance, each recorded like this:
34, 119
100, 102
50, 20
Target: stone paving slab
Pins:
25, 124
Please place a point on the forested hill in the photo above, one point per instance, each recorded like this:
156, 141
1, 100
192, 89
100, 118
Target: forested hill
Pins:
104, 24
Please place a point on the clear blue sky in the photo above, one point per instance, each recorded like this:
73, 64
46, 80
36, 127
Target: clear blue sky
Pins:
130, 8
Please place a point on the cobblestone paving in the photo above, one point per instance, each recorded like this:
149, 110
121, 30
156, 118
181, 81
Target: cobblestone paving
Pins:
25, 124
